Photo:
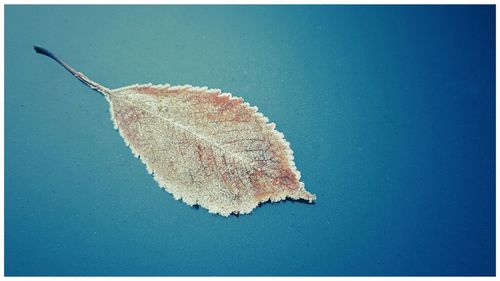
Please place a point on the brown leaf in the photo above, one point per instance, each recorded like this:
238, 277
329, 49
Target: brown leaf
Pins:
203, 146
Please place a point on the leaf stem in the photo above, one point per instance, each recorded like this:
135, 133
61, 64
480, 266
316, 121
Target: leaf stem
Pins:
87, 81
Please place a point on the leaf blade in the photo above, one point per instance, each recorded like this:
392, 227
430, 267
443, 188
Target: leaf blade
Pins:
230, 158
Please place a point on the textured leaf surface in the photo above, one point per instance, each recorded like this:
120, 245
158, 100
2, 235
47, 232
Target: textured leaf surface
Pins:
203, 146
207, 147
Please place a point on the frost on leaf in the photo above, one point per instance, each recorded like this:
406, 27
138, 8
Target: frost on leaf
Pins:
206, 147
203, 146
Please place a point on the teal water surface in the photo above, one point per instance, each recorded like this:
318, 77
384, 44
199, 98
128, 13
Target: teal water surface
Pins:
389, 110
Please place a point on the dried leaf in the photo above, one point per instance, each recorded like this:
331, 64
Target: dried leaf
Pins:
203, 146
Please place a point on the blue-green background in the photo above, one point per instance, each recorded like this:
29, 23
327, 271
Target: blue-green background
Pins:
390, 111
